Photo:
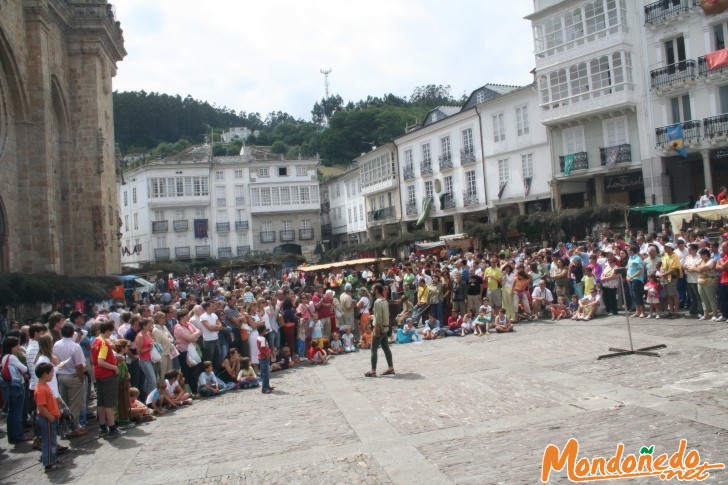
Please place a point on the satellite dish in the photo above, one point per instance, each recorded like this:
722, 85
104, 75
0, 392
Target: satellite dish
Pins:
438, 186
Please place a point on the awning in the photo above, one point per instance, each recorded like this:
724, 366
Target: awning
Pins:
658, 209
344, 264
713, 213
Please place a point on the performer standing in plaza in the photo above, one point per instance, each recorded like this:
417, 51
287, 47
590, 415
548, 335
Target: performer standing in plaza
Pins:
380, 333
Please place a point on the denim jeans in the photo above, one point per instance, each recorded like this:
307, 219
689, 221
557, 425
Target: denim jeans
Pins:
264, 373
150, 377
49, 440
14, 396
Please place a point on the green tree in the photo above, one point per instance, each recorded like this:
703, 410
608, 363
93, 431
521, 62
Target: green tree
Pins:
279, 147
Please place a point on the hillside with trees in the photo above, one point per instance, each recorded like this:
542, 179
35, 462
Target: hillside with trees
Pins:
161, 124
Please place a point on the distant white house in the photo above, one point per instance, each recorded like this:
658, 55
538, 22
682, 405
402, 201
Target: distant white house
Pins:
238, 133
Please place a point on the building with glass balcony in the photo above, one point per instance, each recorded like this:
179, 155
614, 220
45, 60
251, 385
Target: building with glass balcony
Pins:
589, 79
380, 185
342, 210
687, 88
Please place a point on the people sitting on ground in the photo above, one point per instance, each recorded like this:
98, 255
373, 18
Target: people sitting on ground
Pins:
483, 320
573, 306
159, 400
209, 384
502, 323
317, 355
285, 361
247, 378
407, 333
467, 324
140, 413
432, 328
541, 299
366, 337
559, 310
454, 324
347, 339
588, 306
175, 388
335, 346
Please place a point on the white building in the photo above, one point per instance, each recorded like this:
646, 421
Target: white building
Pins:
187, 207
237, 133
590, 77
342, 210
380, 187
685, 91
516, 151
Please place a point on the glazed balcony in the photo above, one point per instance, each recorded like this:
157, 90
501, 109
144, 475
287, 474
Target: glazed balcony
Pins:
674, 74
691, 134
624, 153
581, 162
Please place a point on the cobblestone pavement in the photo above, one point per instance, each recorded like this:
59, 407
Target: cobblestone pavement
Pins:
459, 410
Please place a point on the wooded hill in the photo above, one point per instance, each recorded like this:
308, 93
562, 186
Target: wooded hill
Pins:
161, 124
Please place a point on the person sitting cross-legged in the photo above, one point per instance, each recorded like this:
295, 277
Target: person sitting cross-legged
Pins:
209, 384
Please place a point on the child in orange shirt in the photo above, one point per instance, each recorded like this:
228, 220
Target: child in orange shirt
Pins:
48, 416
366, 338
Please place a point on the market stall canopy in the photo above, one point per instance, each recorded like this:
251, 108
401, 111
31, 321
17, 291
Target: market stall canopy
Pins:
713, 213
344, 264
658, 209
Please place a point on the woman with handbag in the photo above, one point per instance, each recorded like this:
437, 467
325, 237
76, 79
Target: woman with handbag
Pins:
186, 335
12, 383
144, 343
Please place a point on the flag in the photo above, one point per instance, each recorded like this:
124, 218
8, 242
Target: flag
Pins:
527, 185
713, 7
568, 163
612, 153
501, 188
717, 59
675, 139
200, 228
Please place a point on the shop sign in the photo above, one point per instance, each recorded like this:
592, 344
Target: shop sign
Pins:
621, 183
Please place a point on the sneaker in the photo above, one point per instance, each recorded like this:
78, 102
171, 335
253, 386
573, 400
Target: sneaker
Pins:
714, 319
656, 316
116, 433
650, 316
103, 431
54, 467
721, 319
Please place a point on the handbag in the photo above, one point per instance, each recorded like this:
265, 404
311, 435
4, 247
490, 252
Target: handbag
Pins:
156, 353
193, 357
7, 377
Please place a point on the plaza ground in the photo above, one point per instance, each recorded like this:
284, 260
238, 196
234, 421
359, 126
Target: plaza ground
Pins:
459, 410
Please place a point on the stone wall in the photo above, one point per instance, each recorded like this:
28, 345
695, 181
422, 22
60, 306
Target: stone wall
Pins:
57, 162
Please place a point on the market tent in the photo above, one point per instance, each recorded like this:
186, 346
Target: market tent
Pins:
713, 213
658, 209
344, 264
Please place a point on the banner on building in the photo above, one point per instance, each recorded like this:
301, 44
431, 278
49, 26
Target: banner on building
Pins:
717, 59
612, 154
501, 188
200, 228
568, 164
527, 185
675, 140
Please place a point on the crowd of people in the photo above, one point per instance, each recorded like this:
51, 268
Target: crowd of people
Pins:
202, 335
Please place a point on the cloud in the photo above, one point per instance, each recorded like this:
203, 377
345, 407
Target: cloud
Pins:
266, 56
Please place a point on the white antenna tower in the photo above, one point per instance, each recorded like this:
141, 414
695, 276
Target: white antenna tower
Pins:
326, 73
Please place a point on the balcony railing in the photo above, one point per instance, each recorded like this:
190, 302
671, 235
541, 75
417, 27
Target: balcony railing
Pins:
243, 250
666, 9
241, 225
678, 73
623, 153
445, 162
411, 208
182, 252
223, 226
716, 126
161, 253
225, 252
325, 231
581, 162
425, 168
267, 236
704, 70
202, 251
691, 134
305, 234
448, 201
180, 225
470, 198
239, 200
287, 235
381, 214
221, 202
408, 172
467, 157
160, 226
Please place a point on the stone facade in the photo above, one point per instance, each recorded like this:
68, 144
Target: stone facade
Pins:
58, 207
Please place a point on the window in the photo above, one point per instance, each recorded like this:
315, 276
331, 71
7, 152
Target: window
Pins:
238, 174
275, 196
223, 241
240, 215
242, 240
499, 128
573, 140
429, 189
181, 240
573, 27
126, 198
468, 140
220, 195
373, 203
126, 223
719, 36
261, 196
435, 116
222, 216
287, 225
159, 215
411, 194
301, 170
134, 195
723, 94
305, 195
263, 172
504, 171
445, 147
553, 34
480, 96
615, 131
527, 165
219, 175
408, 160
266, 226
361, 212
680, 109
377, 169
426, 157
239, 195
136, 221
674, 50
522, 126
199, 213
349, 220
601, 76
356, 219
595, 20
305, 223
448, 184
179, 214
285, 194
470, 187
338, 189
161, 242
282, 171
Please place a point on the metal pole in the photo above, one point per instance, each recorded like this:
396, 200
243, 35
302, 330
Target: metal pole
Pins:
626, 313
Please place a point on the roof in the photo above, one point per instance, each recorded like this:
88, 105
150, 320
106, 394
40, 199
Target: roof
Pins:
490, 91
441, 112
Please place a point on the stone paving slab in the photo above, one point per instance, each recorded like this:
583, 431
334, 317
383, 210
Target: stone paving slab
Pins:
459, 410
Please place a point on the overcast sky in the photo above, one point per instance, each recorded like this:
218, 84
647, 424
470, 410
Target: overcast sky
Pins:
266, 56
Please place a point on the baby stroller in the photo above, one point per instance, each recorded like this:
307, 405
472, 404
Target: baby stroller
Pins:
418, 312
